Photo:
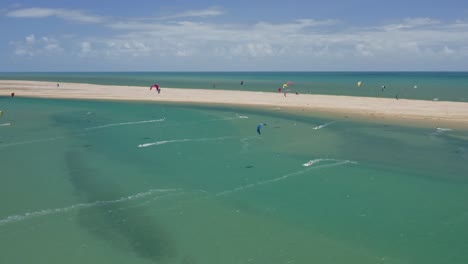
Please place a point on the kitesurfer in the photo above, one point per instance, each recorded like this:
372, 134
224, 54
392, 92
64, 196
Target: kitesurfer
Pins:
259, 127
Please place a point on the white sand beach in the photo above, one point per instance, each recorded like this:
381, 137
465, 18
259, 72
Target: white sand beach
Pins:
433, 113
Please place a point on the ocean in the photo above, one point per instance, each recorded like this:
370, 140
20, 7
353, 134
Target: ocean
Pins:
443, 86
134, 182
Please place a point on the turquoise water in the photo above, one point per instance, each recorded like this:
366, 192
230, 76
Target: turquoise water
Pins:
116, 182
448, 86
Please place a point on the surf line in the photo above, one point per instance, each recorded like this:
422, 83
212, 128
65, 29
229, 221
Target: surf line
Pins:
16, 218
144, 145
284, 177
126, 123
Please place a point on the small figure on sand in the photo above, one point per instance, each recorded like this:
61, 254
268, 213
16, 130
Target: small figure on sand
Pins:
58, 85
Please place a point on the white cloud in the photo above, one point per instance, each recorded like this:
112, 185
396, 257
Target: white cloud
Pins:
302, 43
66, 14
213, 11
31, 46
447, 50
85, 48
118, 47
30, 39
304, 37
410, 23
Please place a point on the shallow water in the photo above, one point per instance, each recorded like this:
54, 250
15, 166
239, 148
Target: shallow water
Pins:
162, 183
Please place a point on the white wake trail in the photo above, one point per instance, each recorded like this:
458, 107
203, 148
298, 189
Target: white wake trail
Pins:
144, 145
31, 141
126, 123
324, 125
16, 218
284, 177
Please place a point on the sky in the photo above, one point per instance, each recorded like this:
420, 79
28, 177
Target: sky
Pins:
226, 35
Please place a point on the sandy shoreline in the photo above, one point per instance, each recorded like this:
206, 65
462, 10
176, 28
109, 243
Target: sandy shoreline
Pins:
428, 113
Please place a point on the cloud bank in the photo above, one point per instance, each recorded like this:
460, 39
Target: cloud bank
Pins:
305, 43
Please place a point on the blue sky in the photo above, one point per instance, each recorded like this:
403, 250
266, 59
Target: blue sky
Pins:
240, 35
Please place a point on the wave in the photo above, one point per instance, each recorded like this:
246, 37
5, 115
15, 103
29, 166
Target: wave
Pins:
126, 123
144, 145
16, 218
5, 124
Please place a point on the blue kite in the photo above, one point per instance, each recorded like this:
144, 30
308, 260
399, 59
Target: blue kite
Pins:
259, 127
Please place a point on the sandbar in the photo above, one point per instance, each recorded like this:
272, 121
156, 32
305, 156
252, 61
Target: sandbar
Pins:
428, 113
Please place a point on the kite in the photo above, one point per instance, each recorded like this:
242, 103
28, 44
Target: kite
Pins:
285, 85
259, 127
155, 86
